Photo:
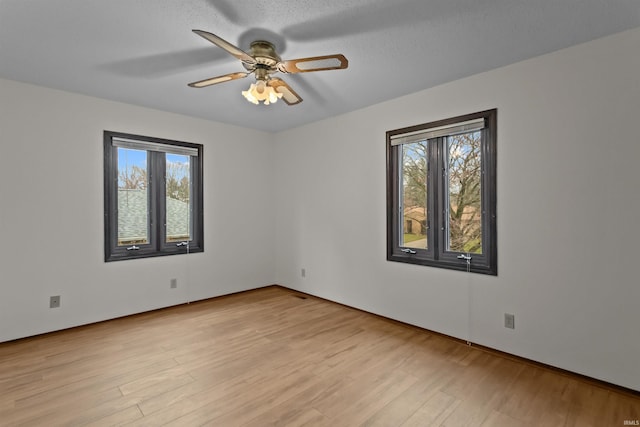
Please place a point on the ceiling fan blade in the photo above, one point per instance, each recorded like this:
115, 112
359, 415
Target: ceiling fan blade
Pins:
221, 43
219, 79
288, 95
314, 63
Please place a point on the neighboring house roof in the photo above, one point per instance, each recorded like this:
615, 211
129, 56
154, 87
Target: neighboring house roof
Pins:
132, 215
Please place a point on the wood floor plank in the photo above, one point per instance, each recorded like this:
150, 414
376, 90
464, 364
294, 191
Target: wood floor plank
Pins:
58, 411
153, 385
273, 357
257, 399
124, 416
434, 411
410, 401
299, 404
58, 392
372, 400
498, 419
162, 401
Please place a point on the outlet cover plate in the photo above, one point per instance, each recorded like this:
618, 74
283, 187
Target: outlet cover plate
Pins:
54, 301
509, 321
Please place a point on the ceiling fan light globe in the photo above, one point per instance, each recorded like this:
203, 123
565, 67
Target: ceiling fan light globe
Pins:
252, 100
250, 94
273, 95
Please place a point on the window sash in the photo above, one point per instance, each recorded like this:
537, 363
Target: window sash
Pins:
191, 206
409, 169
445, 254
449, 174
126, 218
437, 193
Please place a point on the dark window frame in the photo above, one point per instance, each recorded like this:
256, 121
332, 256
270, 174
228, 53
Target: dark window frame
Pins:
435, 255
157, 246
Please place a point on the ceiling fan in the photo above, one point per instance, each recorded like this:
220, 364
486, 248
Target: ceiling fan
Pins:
263, 61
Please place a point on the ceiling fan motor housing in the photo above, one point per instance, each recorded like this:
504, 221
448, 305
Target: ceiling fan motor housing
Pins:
265, 54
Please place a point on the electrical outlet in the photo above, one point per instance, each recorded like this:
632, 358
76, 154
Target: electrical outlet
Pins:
303, 272
54, 302
174, 283
509, 321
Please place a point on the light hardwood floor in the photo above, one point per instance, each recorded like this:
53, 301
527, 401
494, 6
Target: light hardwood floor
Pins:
269, 357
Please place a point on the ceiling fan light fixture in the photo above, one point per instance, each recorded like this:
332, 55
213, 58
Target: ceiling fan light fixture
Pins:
263, 61
249, 94
260, 91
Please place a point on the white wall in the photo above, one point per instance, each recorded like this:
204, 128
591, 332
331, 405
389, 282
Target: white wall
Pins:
568, 207
51, 212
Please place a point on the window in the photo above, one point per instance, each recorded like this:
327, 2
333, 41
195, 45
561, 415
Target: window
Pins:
152, 197
441, 194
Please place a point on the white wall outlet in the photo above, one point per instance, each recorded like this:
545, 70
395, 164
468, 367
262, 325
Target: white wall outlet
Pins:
509, 321
174, 283
54, 301
303, 272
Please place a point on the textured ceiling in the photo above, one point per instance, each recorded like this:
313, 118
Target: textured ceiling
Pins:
143, 52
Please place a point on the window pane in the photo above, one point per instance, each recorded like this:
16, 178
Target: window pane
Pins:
133, 202
414, 195
178, 190
464, 173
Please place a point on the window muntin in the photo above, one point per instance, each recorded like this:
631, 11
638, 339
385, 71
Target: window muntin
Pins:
441, 193
153, 197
